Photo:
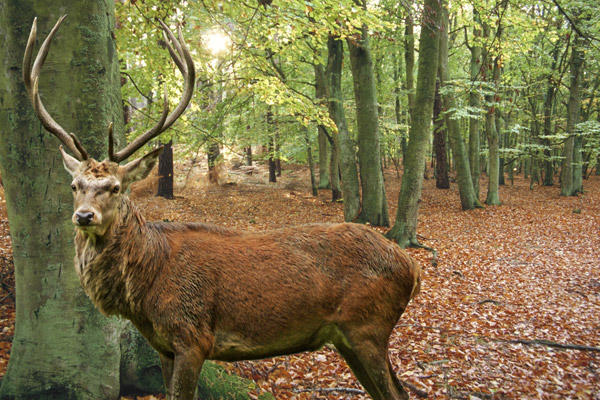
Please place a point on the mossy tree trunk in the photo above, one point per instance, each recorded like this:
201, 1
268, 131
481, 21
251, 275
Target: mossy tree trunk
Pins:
62, 348
404, 230
374, 204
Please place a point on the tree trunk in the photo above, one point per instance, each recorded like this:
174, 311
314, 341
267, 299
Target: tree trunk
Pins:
165, 172
442, 180
212, 154
248, 157
548, 106
334, 168
493, 197
63, 348
475, 102
468, 199
350, 185
374, 210
404, 230
311, 164
323, 140
571, 178
409, 58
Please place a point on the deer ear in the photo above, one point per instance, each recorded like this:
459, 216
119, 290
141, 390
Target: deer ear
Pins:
71, 163
139, 168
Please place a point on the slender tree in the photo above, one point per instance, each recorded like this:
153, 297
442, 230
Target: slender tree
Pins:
350, 184
374, 203
475, 103
404, 230
468, 199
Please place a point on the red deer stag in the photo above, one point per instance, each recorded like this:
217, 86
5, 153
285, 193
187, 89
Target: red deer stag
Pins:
199, 292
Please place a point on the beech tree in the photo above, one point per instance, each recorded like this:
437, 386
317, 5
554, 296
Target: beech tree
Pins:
404, 230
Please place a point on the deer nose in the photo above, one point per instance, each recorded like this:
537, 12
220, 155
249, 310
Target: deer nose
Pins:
84, 218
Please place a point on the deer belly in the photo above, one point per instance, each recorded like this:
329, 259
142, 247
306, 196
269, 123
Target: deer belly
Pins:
237, 346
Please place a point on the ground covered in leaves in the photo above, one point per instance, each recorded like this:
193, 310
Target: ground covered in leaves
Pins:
511, 309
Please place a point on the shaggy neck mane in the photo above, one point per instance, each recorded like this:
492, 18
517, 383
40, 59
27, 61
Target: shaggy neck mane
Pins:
117, 269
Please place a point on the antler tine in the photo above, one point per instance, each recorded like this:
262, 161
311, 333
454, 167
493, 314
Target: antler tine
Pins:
140, 140
31, 73
176, 55
185, 64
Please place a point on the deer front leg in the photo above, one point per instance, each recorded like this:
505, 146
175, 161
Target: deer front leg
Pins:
184, 380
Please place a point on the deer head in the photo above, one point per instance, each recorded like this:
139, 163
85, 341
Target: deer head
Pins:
98, 186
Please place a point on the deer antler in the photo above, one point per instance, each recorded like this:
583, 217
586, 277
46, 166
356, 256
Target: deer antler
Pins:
184, 62
31, 74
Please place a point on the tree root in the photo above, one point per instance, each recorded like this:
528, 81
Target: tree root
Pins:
415, 243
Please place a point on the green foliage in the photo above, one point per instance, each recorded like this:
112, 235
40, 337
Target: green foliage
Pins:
267, 66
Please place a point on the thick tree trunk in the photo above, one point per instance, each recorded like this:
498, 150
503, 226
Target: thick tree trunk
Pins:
63, 348
404, 230
374, 210
350, 185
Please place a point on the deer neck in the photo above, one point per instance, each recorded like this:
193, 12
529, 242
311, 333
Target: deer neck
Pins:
117, 268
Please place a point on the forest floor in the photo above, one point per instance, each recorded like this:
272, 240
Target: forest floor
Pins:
511, 311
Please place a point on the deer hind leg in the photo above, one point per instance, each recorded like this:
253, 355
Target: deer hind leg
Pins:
369, 361
186, 371
166, 363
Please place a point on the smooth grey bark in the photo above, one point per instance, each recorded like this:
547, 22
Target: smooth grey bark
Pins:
571, 183
374, 205
348, 169
404, 231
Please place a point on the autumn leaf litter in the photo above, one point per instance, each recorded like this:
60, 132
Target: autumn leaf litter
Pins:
513, 284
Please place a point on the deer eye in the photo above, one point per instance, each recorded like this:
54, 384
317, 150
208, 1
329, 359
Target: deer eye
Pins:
73, 187
116, 189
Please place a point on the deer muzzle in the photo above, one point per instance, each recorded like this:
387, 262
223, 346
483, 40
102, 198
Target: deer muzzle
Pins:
83, 218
